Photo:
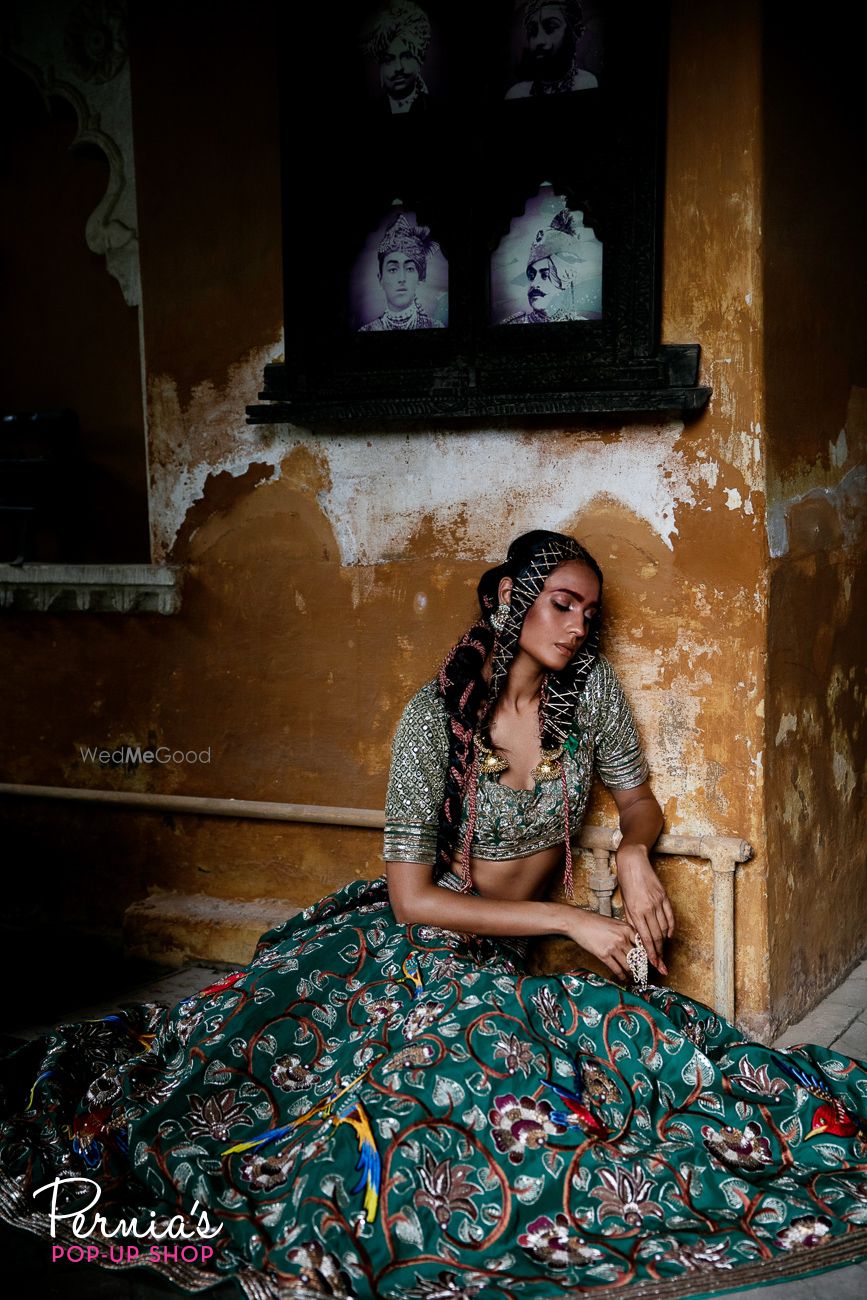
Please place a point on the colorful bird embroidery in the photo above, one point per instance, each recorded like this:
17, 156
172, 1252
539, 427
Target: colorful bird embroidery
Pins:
273, 1135
220, 985
411, 970
147, 1040
89, 1150
833, 1118
46, 1074
576, 1113
89, 1132
369, 1162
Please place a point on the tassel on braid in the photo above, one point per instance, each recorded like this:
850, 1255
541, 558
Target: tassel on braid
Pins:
473, 783
464, 690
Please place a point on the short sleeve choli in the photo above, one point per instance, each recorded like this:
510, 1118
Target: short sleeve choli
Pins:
509, 823
416, 779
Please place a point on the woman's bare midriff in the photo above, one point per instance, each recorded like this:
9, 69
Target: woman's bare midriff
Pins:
516, 879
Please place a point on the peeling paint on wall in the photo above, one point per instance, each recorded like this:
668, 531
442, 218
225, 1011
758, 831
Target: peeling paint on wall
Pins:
788, 723
208, 436
839, 450
825, 514
380, 491
844, 777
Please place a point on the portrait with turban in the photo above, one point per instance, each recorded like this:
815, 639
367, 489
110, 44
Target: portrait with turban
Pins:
558, 275
396, 37
404, 252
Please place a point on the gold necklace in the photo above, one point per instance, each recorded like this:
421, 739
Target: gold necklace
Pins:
491, 764
547, 769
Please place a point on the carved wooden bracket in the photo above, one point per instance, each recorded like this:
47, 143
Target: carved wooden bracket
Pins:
78, 51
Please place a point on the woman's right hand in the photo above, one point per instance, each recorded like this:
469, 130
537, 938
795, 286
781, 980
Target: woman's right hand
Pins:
605, 937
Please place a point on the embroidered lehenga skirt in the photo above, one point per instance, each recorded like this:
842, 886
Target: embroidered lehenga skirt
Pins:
377, 1110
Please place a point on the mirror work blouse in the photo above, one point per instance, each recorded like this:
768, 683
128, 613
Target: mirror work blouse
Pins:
509, 823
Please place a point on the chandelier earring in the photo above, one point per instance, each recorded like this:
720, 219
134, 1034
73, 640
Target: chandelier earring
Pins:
500, 616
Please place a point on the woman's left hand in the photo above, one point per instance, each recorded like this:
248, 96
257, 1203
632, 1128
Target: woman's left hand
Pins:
645, 902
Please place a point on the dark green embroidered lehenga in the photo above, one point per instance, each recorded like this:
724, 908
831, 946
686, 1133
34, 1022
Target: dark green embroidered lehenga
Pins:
377, 1110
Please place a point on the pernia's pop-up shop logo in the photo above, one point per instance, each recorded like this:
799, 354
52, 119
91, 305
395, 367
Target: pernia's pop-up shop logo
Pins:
188, 1234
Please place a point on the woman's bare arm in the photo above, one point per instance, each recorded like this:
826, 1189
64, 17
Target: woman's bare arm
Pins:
645, 901
416, 900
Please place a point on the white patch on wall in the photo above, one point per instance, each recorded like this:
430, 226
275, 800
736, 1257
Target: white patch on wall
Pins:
742, 449
708, 471
182, 440
839, 450
788, 724
380, 490
472, 491
844, 778
687, 648
846, 497
733, 499
173, 493
778, 530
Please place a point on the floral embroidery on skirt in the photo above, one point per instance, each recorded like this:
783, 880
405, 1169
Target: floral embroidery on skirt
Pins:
377, 1110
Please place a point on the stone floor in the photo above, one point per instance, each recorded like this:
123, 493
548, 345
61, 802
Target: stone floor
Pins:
840, 1021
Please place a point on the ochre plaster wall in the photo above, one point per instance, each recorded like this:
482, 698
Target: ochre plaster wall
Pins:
327, 574
815, 286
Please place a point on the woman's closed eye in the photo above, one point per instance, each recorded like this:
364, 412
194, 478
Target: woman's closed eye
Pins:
588, 613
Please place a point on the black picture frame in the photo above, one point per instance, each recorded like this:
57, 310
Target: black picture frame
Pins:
465, 162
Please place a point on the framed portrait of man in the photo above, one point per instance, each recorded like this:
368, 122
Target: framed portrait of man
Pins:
403, 59
484, 170
400, 278
555, 48
548, 269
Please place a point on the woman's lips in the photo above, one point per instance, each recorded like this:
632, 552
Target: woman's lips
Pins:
564, 649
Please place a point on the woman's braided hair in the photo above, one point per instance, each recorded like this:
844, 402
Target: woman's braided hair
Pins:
470, 699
